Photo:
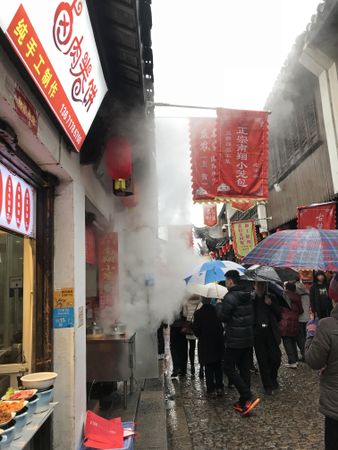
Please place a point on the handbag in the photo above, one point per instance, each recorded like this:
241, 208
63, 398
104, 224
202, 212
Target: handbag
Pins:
186, 328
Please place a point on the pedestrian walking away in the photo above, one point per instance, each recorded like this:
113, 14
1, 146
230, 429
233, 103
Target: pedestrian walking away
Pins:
209, 331
289, 325
267, 339
189, 307
178, 346
236, 311
304, 317
321, 304
321, 353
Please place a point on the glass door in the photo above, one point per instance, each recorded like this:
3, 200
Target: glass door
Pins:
16, 303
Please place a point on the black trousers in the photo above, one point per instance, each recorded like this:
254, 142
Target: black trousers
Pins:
178, 350
331, 434
268, 356
237, 364
301, 338
192, 350
160, 340
214, 376
290, 345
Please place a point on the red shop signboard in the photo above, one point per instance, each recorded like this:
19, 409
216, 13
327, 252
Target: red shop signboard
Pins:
321, 216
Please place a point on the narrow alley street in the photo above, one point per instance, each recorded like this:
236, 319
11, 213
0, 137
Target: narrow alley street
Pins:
288, 420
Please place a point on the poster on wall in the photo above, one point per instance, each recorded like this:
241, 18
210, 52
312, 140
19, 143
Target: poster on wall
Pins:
321, 216
17, 204
244, 237
57, 47
108, 269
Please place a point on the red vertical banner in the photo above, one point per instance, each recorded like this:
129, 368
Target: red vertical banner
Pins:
317, 216
244, 237
243, 143
108, 269
210, 215
204, 158
90, 245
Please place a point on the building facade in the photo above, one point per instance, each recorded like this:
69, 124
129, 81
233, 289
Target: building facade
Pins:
63, 186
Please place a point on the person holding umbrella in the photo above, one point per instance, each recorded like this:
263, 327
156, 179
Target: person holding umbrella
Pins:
267, 339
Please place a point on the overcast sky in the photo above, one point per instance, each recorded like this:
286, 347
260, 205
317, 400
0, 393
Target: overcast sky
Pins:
224, 53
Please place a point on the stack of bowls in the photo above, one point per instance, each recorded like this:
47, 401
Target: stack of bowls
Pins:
7, 434
20, 422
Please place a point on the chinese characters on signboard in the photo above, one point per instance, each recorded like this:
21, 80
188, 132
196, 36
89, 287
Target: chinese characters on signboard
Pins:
108, 269
244, 237
57, 47
25, 110
204, 158
317, 216
17, 203
210, 215
230, 156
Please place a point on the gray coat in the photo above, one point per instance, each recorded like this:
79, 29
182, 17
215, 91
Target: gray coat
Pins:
321, 353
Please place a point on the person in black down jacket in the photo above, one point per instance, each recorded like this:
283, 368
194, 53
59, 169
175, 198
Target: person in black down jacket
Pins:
267, 339
236, 311
209, 331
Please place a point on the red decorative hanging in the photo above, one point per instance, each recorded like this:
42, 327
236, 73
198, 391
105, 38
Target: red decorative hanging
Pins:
119, 161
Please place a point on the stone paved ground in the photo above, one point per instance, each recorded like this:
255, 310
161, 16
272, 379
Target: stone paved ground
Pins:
289, 420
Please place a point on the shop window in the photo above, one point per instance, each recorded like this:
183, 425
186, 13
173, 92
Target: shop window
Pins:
16, 295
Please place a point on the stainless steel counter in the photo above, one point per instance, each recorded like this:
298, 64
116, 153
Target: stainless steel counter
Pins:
111, 358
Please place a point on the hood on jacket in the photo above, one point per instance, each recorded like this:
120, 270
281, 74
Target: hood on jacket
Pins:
243, 296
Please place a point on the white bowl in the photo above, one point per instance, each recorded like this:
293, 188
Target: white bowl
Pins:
39, 380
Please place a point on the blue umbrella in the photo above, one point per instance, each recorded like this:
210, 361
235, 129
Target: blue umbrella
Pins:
212, 271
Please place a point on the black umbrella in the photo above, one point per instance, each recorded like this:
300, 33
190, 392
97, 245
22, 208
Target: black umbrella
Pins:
275, 274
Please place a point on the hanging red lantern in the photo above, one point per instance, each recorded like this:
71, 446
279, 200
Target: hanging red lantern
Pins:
119, 164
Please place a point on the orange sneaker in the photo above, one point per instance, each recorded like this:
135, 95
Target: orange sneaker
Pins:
249, 406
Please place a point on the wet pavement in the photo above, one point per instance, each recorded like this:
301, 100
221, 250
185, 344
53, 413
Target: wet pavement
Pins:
288, 420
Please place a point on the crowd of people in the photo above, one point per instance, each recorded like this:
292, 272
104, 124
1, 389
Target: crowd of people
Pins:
248, 326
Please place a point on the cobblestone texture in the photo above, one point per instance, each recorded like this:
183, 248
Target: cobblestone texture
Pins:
288, 420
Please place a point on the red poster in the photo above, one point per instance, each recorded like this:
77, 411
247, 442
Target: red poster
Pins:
90, 245
27, 210
18, 205
204, 158
317, 216
243, 142
210, 215
9, 199
108, 269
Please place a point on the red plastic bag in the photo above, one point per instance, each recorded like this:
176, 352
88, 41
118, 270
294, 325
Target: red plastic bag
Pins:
102, 433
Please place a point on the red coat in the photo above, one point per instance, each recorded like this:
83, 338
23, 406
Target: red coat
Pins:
289, 325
